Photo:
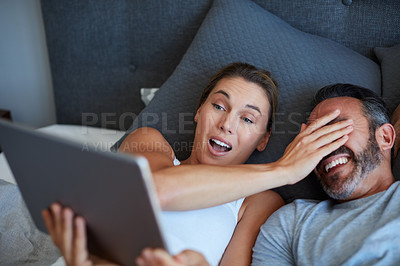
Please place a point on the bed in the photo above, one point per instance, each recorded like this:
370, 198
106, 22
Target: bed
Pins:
103, 54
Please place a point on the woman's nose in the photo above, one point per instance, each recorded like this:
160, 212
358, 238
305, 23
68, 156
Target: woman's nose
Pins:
227, 124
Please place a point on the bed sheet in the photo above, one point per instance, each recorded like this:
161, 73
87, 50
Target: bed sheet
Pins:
99, 138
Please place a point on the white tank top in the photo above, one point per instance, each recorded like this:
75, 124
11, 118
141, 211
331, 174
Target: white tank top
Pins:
207, 231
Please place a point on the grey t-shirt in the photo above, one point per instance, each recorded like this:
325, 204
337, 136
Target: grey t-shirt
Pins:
359, 232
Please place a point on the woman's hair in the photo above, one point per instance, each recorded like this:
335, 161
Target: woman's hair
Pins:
373, 106
252, 74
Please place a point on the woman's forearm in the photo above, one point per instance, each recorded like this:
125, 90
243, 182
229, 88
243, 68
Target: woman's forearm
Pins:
199, 186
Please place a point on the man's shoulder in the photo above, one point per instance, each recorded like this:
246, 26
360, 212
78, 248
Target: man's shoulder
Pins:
300, 207
304, 204
291, 215
395, 185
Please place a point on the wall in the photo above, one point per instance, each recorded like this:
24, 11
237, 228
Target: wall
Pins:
25, 79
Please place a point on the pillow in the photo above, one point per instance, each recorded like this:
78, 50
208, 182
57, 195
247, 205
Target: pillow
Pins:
147, 94
389, 57
300, 62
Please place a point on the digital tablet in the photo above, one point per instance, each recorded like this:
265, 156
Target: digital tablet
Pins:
113, 192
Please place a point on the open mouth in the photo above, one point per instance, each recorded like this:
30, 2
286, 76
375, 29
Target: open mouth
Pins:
219, 146
329, 166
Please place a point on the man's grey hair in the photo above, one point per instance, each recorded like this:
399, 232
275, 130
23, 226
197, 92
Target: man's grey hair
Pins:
373, 106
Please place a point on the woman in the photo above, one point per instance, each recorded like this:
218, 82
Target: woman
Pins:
229, 201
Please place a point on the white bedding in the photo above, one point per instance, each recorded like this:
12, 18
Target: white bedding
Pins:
91, 136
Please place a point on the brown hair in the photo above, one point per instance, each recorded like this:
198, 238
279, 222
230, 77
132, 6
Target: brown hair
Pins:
250, 73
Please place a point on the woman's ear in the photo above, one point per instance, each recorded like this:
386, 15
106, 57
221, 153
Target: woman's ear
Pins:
263, 141
385, 136
196, 117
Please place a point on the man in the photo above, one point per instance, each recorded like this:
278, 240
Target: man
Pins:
360, 224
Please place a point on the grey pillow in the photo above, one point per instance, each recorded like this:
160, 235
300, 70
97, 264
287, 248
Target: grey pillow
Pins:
389, 57
300, 62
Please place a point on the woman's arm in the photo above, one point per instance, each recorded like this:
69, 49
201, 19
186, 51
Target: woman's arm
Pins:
190, 187
255, 211
150, 143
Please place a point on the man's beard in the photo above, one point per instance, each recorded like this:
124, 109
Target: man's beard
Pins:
363, 162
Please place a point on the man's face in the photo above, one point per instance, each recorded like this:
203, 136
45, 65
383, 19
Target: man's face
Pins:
342, 171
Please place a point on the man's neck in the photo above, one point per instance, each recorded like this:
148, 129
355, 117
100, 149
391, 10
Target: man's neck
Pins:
380, 179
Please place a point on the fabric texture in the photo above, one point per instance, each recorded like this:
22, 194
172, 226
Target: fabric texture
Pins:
389, 58
358, 232
396, 168
207, 231
147, 94
300, 62
358, 25
21, 243
102, 52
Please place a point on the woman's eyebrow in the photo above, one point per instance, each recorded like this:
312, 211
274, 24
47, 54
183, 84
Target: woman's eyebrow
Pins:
247, 105
254, 108
223, 93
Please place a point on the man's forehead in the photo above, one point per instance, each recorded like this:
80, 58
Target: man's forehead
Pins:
346, 105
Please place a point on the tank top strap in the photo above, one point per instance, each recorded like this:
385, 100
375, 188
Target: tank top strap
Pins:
176, 162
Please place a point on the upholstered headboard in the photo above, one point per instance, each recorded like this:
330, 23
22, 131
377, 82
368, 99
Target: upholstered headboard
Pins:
102, 52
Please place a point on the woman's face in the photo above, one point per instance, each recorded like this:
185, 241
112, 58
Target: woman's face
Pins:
231, 123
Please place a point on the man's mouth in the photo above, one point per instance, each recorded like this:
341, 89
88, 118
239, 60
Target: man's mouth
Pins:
335, 159
219, 145
335, 162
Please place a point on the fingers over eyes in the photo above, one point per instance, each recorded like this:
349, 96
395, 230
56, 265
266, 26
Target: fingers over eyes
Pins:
320, 122
331, 134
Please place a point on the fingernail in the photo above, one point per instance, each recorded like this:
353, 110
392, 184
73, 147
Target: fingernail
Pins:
67, 213
147, 254
157, 256
139, 261
336, 111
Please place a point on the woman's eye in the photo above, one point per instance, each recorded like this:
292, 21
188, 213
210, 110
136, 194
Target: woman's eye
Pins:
218, 107
245, 119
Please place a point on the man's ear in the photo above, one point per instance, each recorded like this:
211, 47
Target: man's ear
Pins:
263, 141
385, 136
